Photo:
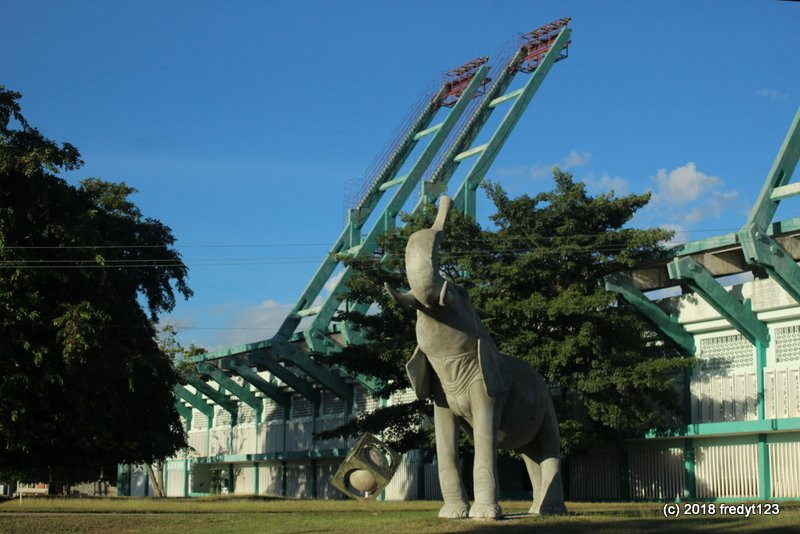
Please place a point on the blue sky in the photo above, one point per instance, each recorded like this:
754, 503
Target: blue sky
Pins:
240, 122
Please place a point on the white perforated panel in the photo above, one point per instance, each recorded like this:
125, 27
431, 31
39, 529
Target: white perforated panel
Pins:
221, 417
199, 420
403, 397
301, 407
272, 410
787, 344
725, 352
364, 402
331, 404
247, 415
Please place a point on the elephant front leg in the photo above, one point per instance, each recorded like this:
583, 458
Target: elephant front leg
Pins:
456, 504
486, 421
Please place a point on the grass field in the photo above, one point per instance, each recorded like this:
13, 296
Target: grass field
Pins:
259, 514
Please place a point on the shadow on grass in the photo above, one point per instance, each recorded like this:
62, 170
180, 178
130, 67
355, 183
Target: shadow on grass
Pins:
631, 525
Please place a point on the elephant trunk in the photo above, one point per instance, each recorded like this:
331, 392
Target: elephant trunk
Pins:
422, 259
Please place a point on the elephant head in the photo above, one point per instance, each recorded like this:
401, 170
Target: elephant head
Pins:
422, 260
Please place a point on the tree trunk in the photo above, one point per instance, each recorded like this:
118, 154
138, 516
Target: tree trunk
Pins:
54, 486
156, 479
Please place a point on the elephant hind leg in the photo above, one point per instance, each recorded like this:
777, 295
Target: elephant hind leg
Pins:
535, 472
543, 460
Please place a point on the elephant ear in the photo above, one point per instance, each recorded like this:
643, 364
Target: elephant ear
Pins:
420, 374
496, 374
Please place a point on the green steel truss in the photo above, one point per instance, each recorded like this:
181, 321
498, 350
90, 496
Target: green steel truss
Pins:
666, 323
286, 348
457, 152
264, 360
218, 397
464, 198
315, 334
735, 312
184, 411
251, 377
196, 400
242, 393
460, 149
760, 243
759, 248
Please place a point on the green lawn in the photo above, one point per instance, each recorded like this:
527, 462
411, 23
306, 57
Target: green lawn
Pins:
238, 514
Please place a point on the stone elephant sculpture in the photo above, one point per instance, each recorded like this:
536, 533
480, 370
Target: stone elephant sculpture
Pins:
503, 400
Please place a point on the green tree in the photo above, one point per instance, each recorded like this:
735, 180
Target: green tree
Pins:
536, 281
83, 276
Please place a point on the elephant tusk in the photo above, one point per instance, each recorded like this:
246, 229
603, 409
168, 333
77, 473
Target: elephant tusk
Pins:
443, 295
407, 299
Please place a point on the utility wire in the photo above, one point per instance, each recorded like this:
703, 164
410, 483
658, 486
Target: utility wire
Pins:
278, 245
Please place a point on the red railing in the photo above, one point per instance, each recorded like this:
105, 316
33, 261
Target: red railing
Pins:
538, 42
457, 80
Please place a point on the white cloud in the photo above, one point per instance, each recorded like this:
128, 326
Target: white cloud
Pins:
574, 159
607, 184
714, 206
772, 94
541, 171
179, 323
254, 323
681, 236
683, 184
685, 196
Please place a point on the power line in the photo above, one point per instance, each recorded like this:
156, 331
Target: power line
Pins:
290, 245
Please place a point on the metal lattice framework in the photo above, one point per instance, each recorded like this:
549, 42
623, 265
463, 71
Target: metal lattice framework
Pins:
287, 354
768, 249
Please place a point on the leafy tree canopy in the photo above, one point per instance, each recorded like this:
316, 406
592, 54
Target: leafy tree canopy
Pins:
83, 276
536, 281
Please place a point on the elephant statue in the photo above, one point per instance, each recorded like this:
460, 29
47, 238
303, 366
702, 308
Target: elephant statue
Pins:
502, 399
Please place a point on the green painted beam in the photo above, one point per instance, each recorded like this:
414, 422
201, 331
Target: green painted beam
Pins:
217, 397
251, 377
184, 412
481, 166
729, 428
307, 312
242, 393
315, 285
689, 469
764, 476
729, 240
300, 385
782, 168
272, 456
351, 232
785, 191
505, 98
668, 325
471, 152
195, 400
391, 183
315, 333
758, 248
436, 185
325, 376
735, 312
762, 250
233, 351
428, 131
